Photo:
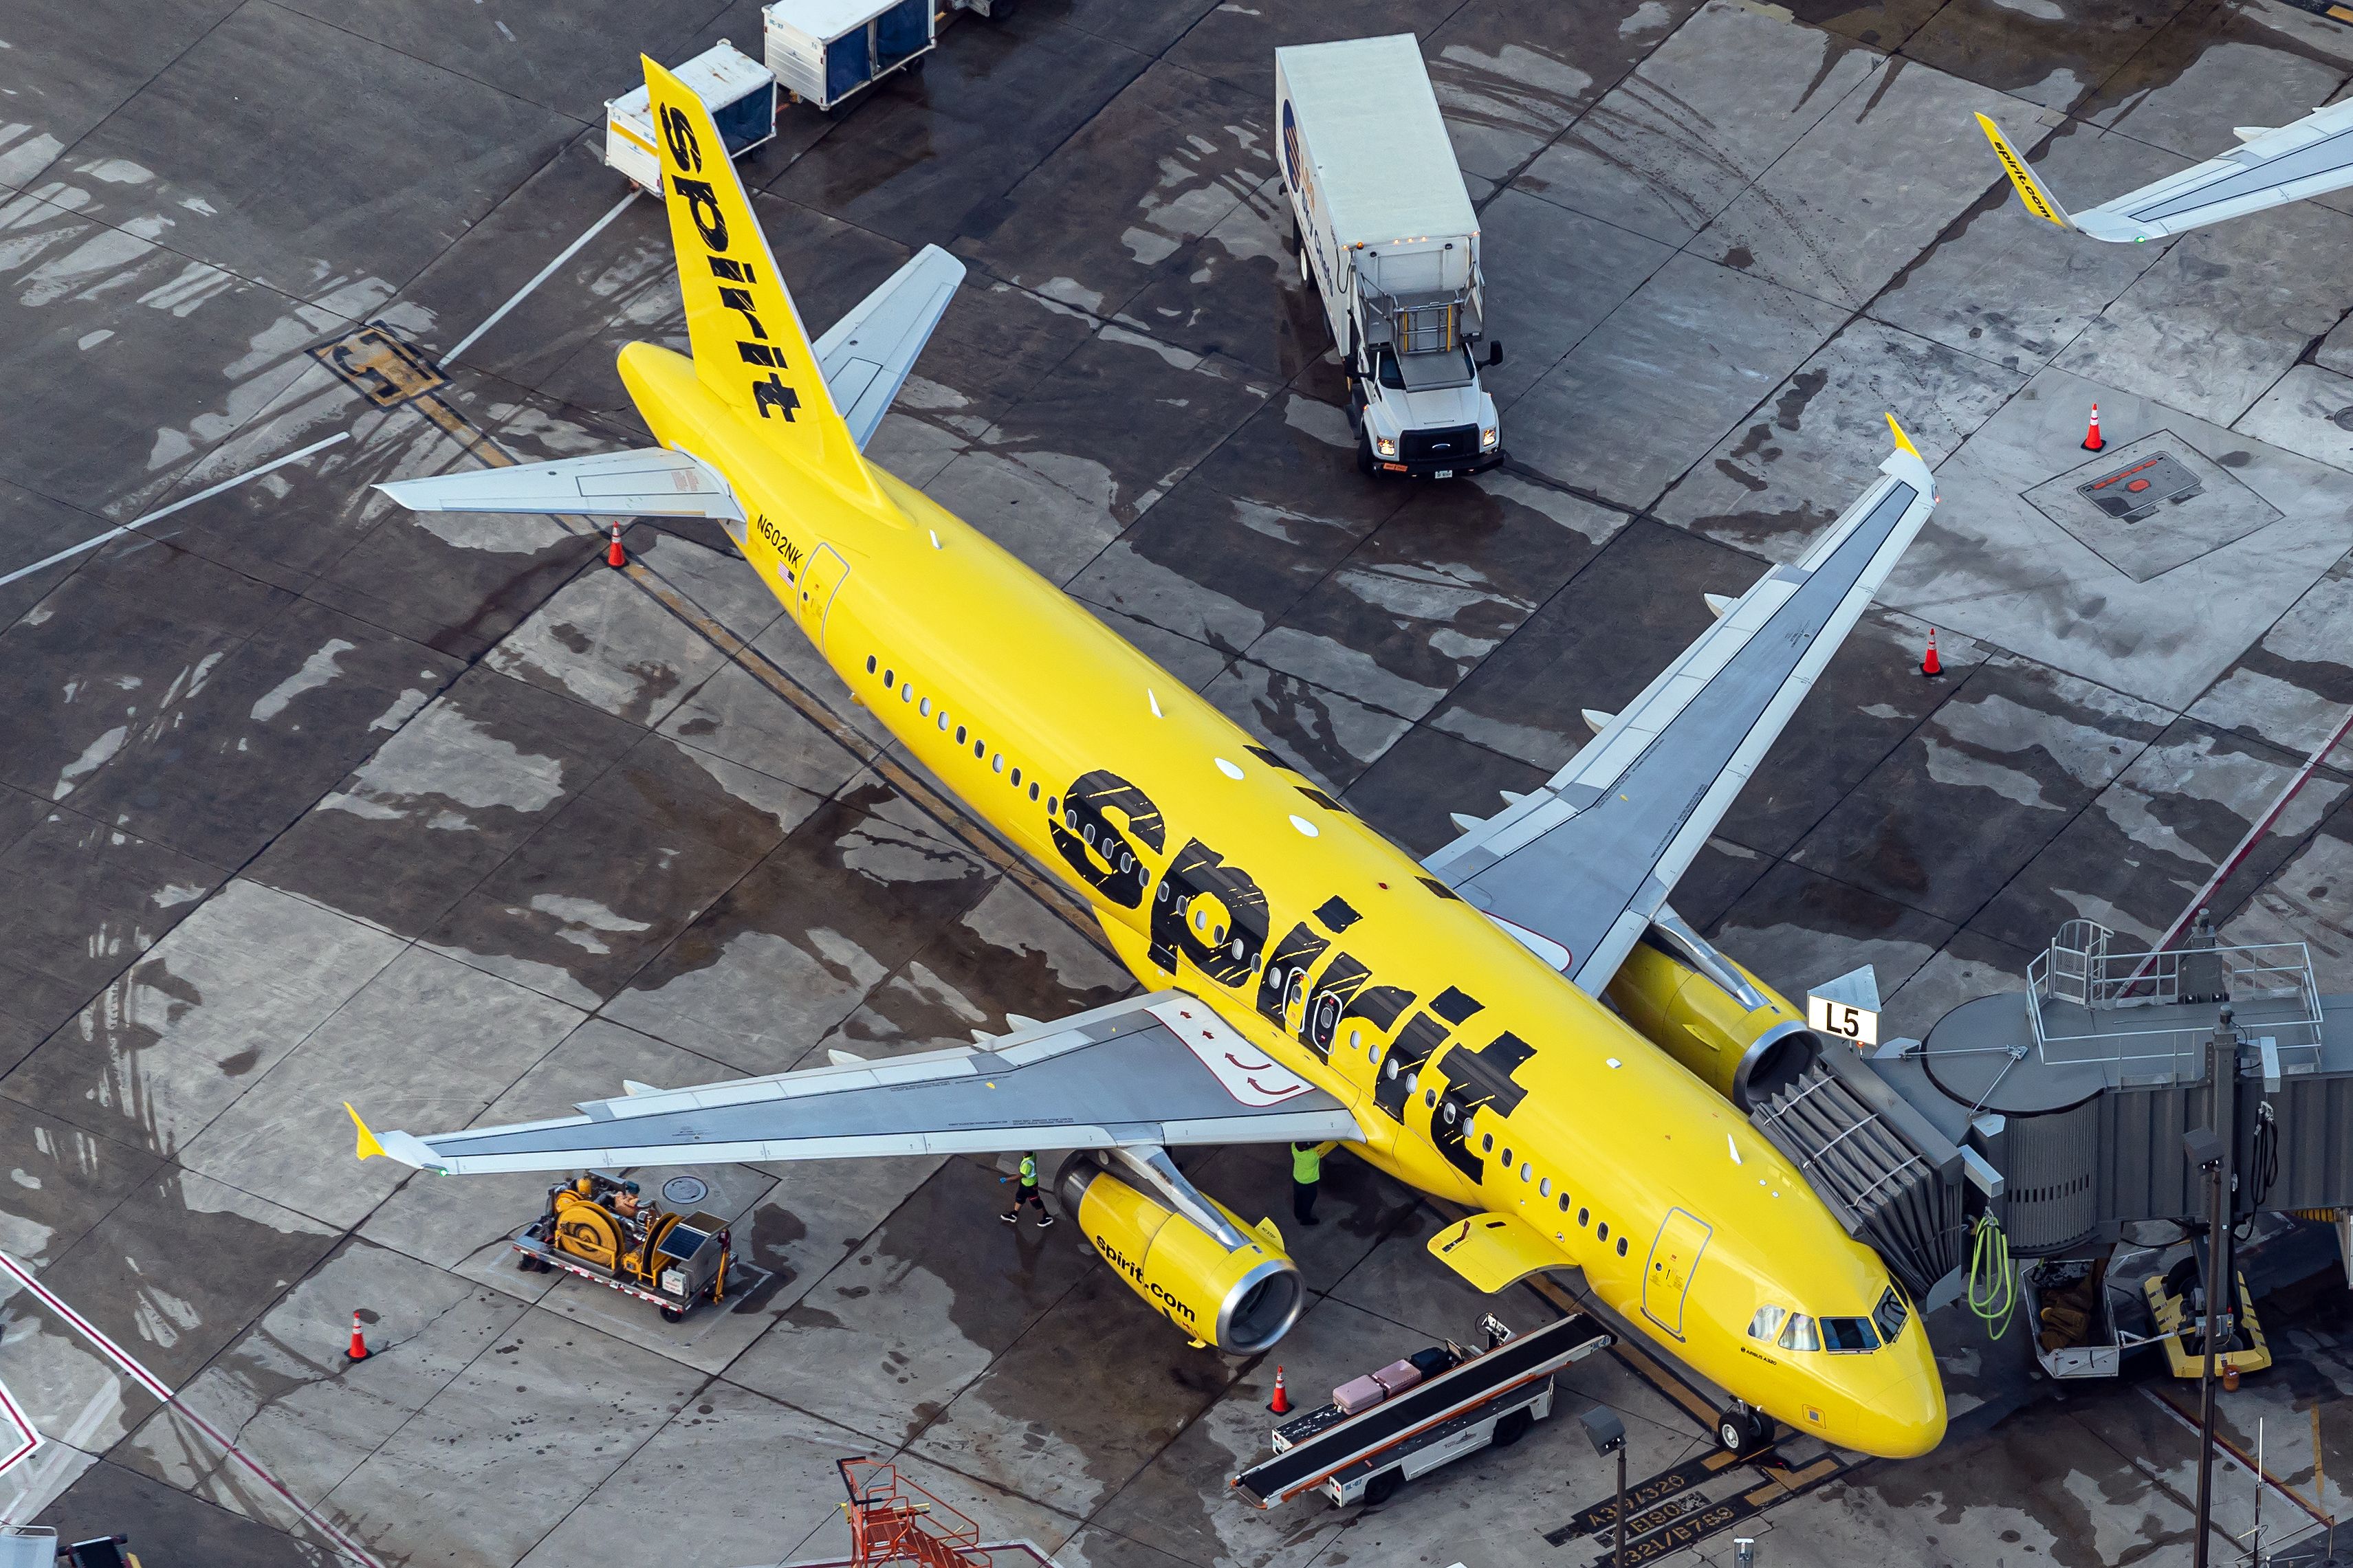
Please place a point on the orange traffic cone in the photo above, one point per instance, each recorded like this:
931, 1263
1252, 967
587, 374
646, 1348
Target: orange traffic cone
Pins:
614, 555
2092, 442
1930, 665
1280, 1403
359, 1351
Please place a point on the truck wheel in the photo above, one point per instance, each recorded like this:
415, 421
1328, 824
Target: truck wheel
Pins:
1382, 1488
1513, 1427
672, 1315
1363, 451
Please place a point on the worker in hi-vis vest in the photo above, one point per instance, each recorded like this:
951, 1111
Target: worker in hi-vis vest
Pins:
1027, 1194
1306, 1170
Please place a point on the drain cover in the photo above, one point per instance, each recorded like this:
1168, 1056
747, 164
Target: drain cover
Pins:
2139, 487
681, 1191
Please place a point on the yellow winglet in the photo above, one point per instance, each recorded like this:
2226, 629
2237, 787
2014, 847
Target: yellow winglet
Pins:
368, 1145
1902, 441
2031, 191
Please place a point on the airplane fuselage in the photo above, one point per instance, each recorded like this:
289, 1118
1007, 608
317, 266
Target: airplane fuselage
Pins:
1478, 1072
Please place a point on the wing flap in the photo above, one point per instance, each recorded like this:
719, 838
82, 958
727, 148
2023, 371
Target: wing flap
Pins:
867, 355
1157, 1069
1586, 862
650, 482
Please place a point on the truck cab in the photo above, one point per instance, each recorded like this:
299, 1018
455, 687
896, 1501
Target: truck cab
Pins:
1385, 235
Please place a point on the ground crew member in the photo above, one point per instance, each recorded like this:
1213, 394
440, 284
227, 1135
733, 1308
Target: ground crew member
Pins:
1027, 1194
1306, 1170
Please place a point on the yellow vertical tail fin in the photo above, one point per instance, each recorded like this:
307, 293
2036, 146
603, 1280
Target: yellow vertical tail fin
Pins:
749, 346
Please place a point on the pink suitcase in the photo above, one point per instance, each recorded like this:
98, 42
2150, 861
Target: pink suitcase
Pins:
1359, 1393
1398, 1376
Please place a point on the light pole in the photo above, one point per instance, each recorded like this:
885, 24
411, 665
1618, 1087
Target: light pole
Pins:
1609, 1436
2210, 1150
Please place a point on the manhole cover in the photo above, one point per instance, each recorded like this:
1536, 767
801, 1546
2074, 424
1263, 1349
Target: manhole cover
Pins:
2138, 488
681, 1191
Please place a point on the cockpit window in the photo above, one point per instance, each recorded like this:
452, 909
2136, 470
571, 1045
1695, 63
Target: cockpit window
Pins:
1849, 1334
1798, 1334
1766, 1322
1891, 1315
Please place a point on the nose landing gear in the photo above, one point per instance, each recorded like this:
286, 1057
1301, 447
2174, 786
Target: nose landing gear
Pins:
1742, 1429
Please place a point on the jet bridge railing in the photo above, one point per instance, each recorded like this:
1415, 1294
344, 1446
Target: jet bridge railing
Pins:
2145, 1011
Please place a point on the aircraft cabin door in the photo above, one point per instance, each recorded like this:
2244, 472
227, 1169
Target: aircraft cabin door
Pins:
1675, 1258
820, 579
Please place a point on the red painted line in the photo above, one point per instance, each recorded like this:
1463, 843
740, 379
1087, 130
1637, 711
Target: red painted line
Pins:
2246, 845
24, 1424
163, 1391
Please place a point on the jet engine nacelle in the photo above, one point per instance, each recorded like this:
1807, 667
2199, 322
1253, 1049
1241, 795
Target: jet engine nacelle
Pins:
1240, 1300
1714, 1016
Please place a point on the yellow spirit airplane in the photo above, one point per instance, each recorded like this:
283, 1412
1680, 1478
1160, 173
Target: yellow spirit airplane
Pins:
1521, 1025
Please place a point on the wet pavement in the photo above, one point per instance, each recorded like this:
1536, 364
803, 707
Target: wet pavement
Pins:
305, 799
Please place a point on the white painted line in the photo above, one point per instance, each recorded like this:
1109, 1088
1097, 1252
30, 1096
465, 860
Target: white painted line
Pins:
2263, 824
26, 1439
162, 1391
71, 551
569, 251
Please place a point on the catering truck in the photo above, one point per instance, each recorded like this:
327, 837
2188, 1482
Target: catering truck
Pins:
1385, 235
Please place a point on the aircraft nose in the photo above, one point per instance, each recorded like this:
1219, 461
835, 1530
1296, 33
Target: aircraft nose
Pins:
1906, 1418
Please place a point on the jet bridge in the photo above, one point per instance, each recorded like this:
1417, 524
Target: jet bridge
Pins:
2060, 1110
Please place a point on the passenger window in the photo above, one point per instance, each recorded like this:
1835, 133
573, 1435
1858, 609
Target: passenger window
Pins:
1849, 1335
1767, 1323
980, 748
944, 718
1526, 1171
906, 692
1016, 778
1430, 1096
1544, 1187
997, 763
960, 734
925, 706
1621, 1246
1033, 789
1563, 1203
1602, 1230
888, 677
1507, 1159
1582, 1217
1798, 1333
869, 664
1053, 803
1487, 1144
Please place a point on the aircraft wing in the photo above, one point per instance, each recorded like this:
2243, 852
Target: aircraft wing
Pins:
1158, 1070
868, 353
1577, 870
2308, 157
651, 482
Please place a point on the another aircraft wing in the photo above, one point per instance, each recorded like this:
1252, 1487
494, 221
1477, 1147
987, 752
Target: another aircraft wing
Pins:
651, 482
1159, 1070
2308, 157
1577, 870
868, 353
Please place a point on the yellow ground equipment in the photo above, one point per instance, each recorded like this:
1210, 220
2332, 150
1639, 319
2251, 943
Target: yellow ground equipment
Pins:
596, 1226
2180, 1317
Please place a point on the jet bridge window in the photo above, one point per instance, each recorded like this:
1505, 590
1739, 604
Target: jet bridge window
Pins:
1849, 1336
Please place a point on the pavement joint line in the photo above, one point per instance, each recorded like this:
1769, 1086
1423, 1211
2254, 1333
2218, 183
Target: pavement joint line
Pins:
2255, 832
541, 275
2277, 1488
161, 512
162, 1391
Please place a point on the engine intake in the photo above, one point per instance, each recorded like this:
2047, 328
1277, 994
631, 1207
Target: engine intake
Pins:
1714, 1016
1241, 1299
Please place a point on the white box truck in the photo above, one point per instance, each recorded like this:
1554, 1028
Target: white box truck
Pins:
1385, 235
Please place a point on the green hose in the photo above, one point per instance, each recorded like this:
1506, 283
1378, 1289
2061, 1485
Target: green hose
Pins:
1993, 1283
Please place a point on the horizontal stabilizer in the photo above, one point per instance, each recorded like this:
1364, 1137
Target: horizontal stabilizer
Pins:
867, 355
653, 482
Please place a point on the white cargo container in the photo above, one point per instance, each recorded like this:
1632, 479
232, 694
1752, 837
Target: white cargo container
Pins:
824, 51
1386, 235
738, 90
